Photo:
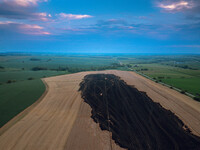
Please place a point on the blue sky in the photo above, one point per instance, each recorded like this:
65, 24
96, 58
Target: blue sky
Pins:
100, 26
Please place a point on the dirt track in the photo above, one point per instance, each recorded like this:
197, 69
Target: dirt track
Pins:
62, 119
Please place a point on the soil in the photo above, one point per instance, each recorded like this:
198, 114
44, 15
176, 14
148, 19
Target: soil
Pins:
133, 118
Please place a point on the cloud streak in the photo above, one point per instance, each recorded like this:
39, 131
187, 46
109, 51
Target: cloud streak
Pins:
31, 29
176, 5
40, 16
24, 3
73, 16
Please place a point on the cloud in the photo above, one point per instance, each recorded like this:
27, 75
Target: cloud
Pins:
190, 9
120, 27
40, 16
22, 9
32, 29
73, 16
111, 22
21, 28
24, 3
176, 6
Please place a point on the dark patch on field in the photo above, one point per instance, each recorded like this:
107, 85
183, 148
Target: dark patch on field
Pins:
35, 59
136, 122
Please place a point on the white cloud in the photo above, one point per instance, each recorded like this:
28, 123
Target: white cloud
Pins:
175, 6
73, 16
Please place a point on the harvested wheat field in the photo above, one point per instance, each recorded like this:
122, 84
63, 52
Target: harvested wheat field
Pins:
62, 119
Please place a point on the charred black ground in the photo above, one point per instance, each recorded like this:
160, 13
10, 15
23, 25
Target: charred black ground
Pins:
136, 122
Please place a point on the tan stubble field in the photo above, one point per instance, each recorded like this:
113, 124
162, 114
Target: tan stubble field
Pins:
61, 120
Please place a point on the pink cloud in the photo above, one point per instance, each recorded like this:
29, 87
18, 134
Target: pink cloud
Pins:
130, 27
22, 9
5, 22
41, 16
73, 16
25, 3
28, 26
32, 29
176, 6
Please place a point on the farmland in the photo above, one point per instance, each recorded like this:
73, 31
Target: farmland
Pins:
62, 120
20, 74
185, 79
182, 72
17, 96
20, 77
123, 110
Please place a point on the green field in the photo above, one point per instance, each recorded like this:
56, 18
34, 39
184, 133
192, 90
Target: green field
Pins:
182, 72
20, 77
184, 79
20, 74
17, 96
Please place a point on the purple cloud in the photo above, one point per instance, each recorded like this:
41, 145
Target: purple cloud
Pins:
24, 3
22, 9
32, 29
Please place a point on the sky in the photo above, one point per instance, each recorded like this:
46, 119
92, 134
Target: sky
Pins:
100, 26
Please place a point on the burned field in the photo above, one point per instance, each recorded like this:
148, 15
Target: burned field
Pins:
135, 121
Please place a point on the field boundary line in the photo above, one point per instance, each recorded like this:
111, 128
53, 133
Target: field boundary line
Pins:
164, 84
22, 114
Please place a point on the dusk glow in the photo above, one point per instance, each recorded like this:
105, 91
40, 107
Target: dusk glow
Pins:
99, 74
132, 26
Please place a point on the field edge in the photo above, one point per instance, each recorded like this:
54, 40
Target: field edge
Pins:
22, 114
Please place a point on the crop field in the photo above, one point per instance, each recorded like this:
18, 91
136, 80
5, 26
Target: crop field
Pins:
20, 77
185, 79
17, 96
62, 120
100, 75
20, 74
182, 72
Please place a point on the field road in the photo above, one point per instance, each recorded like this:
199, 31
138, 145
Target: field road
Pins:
61, 120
